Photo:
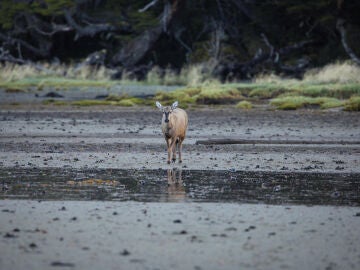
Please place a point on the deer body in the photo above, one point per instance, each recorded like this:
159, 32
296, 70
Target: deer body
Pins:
173, 125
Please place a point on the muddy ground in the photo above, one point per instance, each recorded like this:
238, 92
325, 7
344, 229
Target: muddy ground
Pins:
90, 188
132, 139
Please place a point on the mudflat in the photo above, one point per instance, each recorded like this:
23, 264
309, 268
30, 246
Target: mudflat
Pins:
90, 188
131, 138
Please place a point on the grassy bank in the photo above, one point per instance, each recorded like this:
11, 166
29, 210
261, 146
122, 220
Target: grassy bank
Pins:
336, 85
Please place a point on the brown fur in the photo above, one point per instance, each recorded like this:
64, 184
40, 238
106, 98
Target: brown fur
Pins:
174, 131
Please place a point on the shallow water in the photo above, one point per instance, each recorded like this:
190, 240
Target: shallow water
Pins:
33, 95
175, 185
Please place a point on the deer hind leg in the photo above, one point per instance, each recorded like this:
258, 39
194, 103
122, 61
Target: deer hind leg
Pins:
180, 148
173, 149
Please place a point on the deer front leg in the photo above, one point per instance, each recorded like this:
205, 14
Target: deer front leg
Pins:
168, 143
172, 150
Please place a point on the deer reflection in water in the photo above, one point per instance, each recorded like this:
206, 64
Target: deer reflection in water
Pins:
176, 189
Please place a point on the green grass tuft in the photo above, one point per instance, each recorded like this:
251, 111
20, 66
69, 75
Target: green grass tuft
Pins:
246, 105
126, 103
353, 104
91, 102
54, 102
205, 94
54, 82
296, 102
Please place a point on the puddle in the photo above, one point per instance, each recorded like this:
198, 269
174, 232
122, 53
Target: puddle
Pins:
175, 185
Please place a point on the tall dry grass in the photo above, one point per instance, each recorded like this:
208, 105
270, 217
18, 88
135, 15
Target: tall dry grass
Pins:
341, 73
191, 76
14, 72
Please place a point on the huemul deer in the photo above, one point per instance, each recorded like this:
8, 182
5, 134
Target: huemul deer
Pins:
173, 124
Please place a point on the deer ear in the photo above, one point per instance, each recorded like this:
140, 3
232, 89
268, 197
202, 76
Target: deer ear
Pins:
174, 106
158, 104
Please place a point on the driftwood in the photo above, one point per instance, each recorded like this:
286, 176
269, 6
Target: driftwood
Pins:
246, 141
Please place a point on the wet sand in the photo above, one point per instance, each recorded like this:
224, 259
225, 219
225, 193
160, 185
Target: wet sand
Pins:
131, 235
184, 235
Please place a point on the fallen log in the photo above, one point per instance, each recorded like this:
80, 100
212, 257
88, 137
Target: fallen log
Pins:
252, 141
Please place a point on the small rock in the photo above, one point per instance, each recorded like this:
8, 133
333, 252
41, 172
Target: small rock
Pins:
62, 264
33, 245
10, 235
181, 232
53, 95
250, 228
125, 252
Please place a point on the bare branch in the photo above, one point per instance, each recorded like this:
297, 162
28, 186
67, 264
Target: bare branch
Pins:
241, 6
271, 47
89, 30
152, 3
221, 11
56, 29
177, 36
294, 47
166, 16
340, 27
15, 41
5, 56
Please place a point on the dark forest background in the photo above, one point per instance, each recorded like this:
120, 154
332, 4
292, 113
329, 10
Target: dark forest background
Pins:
235, 39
